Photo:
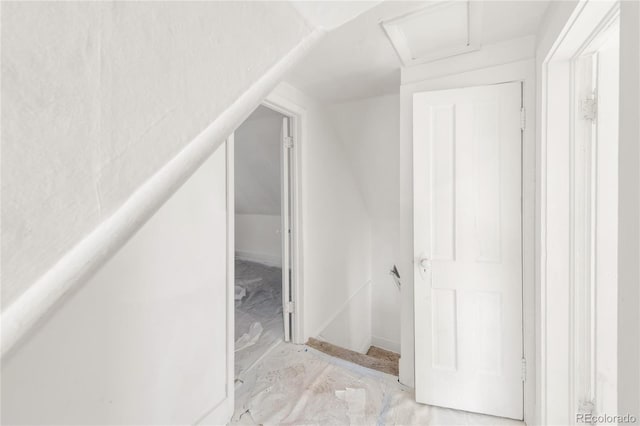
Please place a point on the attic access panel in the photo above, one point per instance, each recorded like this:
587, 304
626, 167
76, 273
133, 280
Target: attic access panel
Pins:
441, 30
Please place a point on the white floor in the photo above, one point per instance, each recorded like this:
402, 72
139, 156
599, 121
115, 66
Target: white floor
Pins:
294, 384
258, 312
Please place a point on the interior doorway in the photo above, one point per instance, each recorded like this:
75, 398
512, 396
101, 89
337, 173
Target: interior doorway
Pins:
263, 229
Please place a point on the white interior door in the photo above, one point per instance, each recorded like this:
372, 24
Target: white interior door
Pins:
285, 213
468, 249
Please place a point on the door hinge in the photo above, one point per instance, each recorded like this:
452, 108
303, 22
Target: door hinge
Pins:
589, 108
290, 307
523, 118
524, 370
288, 142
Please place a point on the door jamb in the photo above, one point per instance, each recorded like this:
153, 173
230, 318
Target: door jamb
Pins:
297, 116
558, 393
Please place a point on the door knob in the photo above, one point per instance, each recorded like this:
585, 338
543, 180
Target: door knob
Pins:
424, 264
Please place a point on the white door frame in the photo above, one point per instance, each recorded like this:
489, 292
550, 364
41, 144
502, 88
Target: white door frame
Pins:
286, 231
521, 71
296, 116
564, 304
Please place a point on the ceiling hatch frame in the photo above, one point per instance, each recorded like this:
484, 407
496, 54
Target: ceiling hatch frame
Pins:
467, 13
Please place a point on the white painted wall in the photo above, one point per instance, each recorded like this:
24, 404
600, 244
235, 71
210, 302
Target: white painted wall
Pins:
335, 230
258, 238
370, 130
98, 96
503, 62
109, 108
332, 15
257, 188
144, 340
629, 212
350, 327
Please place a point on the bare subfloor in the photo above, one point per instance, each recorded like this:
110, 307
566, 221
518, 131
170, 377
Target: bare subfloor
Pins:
295, 384
375, 358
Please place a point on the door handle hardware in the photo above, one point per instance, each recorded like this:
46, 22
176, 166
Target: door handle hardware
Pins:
424, 264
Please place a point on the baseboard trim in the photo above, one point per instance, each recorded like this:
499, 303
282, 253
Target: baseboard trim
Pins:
385, 344
261, 258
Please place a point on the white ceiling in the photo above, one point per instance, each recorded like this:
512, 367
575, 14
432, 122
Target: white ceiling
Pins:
357, 60
262, 112
331, 14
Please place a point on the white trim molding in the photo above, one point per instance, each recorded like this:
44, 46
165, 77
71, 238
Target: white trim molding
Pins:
565, 297
95, 249
298, 123
222, 411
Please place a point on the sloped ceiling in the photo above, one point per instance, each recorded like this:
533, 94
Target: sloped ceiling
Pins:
356, 60
332, 14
